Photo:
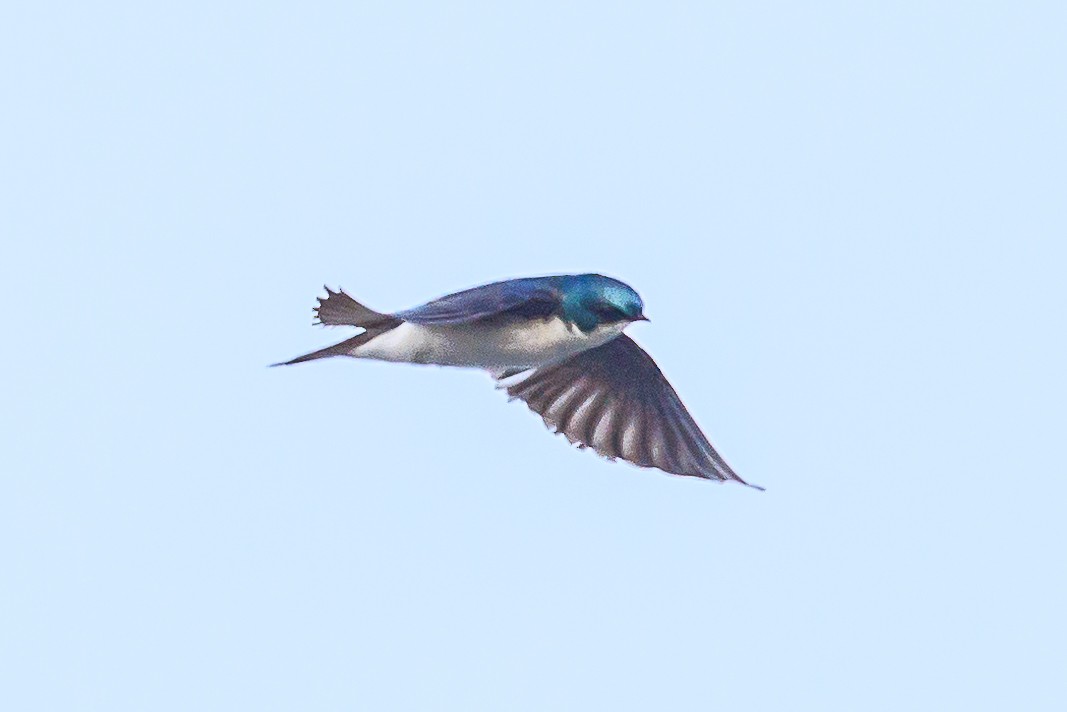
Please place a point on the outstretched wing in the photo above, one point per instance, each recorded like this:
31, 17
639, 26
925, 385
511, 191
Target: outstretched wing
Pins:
530, 297
615, 400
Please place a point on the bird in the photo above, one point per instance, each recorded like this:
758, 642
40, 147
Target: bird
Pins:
556, 343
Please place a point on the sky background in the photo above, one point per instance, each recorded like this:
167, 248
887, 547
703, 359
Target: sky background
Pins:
847, 222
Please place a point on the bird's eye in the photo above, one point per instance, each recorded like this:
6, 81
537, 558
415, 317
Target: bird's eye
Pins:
607, 312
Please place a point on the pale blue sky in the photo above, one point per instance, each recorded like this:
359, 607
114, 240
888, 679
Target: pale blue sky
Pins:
847, 222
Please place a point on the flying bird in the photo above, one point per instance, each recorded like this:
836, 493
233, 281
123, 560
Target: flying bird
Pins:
556, 343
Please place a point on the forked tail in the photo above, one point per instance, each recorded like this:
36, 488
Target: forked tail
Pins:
339, 309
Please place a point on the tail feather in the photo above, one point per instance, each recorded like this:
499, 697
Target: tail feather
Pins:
342, 349
339, 309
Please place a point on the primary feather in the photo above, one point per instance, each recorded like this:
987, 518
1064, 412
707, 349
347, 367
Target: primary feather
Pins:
615, 400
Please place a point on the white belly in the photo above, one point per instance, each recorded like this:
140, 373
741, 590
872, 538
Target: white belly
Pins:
501, 347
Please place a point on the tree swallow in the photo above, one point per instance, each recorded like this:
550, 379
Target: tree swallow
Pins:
557, 344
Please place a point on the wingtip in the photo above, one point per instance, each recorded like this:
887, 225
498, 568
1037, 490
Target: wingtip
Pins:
734, 478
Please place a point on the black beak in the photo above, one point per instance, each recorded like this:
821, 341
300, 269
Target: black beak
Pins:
642, 317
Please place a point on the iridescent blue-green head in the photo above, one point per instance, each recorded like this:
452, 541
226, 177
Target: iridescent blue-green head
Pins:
592, 300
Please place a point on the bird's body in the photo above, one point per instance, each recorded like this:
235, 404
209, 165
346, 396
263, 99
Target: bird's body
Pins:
493, 346
558, 344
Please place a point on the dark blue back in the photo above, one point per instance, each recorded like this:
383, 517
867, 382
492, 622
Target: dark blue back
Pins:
527, 297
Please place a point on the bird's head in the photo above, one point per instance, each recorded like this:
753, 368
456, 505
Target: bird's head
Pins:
592, 300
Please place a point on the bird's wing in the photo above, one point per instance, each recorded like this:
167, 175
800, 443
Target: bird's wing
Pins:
615, 400
530, 298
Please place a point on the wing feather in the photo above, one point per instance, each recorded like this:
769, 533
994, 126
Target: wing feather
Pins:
586, 417
603, 441
615, 400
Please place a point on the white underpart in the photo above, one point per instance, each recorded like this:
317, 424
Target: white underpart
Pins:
495, 348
